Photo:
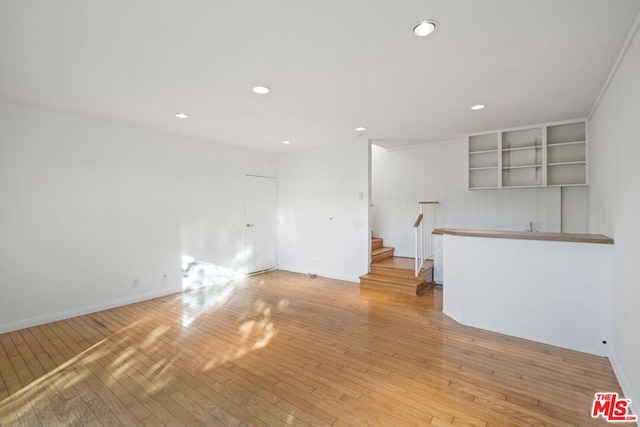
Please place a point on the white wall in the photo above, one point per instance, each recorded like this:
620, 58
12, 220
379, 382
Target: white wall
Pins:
437, 172
323, 198
614, 209
86, 206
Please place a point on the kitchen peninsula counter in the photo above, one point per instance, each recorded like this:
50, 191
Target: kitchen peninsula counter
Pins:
527, 235
553, 288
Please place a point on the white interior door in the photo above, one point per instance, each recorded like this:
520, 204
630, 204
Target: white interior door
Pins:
261, 224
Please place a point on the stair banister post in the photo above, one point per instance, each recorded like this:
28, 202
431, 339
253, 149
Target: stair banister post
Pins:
423, 252
416, 226
416, 266
429, 209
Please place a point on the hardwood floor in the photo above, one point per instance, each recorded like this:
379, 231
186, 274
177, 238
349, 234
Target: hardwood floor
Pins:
283, 349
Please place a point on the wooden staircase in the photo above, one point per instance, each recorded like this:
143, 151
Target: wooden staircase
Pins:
395, 274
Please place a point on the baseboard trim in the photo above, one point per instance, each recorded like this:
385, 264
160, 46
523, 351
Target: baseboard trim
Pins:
67, 314
320, 273
625, 384
94, 308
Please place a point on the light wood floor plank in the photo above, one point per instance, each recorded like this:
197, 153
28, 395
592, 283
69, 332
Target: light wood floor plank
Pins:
283, 349
294, 405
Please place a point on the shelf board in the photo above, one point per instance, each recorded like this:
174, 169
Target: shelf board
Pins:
528, 147
521, 167
522, 186
483, 152
484, 188
581, 162
483, 168
567, 185
559, 144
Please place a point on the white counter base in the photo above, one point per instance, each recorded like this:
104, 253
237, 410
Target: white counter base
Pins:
552, 292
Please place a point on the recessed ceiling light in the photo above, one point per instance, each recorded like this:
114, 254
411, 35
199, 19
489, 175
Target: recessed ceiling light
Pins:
424, 28
477, 107
360, 129
181, 115
261, 90
286, 142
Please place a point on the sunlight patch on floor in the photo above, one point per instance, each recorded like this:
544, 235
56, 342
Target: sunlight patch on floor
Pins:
142, 355
198, 274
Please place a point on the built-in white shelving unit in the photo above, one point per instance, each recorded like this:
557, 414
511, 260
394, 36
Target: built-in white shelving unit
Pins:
483, 160
537, 156
567, 154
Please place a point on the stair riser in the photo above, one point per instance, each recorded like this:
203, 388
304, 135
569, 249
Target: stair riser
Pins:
376, 244
390, 285
393, 272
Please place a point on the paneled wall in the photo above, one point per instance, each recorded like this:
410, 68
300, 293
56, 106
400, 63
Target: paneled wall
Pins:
614, 209
437, 171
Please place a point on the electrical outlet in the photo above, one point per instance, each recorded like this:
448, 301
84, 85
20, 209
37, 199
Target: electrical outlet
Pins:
135, 283
164, 276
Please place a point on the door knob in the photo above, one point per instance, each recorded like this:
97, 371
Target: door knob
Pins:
249, 225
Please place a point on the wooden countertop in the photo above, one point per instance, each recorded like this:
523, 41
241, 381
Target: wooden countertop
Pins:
527, 235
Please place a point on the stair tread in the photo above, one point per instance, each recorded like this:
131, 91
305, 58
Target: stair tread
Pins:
381, 250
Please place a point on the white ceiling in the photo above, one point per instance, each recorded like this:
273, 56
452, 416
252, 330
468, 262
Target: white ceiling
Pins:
332, 65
